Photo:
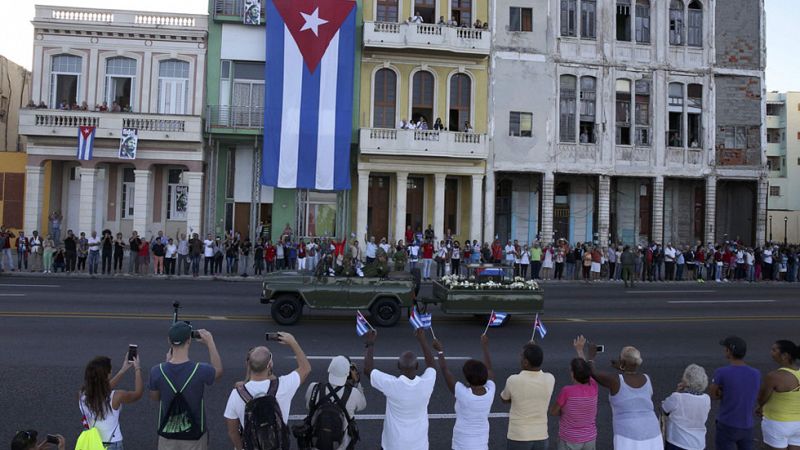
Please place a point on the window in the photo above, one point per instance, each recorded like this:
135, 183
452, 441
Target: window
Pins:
173, 86
774, 109
177, 196
774, 163
694, 30
422, 97
642, 112
460, 102
623, 115
120, 82
694, 111
128, 194
385, 99
65, 75
247, 101
427, 9
569, 17
734, 137
676, 22
624, 20
774, 191
520, 124
318, 213
675, 119
520, 19
387, 11
462, 11
773, 135
588, 19
451, 221
588, 98
642, 21
567, 97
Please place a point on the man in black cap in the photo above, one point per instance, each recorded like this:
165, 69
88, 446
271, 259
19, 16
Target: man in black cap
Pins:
184, 430
27, 440
736, 386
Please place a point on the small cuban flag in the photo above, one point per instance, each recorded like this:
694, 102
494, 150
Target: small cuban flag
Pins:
419, 320
496, 319
362, 326
538, 325
85, 143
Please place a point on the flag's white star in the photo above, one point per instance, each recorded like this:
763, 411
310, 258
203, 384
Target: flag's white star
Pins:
313, 21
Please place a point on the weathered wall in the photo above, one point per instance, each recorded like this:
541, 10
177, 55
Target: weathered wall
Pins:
738, 105
738, 34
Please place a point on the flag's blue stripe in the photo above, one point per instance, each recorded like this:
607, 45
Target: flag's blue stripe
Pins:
309, 129
273, 96
344, 102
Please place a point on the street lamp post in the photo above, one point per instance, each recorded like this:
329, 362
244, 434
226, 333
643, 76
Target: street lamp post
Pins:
770, 227
785, 230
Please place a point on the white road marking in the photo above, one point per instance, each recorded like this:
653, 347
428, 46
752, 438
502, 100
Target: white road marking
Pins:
30, 285
217, 318
722, 301
576, 320
12, 295
676, 291
497, 415
377, 358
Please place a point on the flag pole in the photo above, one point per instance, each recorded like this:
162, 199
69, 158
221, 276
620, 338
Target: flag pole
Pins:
485, 330
432, 333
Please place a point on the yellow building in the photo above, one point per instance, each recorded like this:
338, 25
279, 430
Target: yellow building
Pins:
424, 62
15, 84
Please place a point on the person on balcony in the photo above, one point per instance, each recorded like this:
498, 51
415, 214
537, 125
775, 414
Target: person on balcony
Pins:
441, 21
417, 18
477, 24
438, 125
453, 22
467, 127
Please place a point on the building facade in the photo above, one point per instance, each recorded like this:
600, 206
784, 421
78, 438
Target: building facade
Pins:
15, 84
627, 121
115, 70
783, 163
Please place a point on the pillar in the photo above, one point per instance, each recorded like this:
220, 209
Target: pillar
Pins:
475, 212
604, 208
761, 210
438, 205
86, 209
401, 193
363, 206
488, 213
711, 209
658, 209
142, 200
548, 185
194, 208
34, 200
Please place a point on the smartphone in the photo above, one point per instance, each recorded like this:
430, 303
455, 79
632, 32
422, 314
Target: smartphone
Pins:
195, 334
51, 439
132, 351
600, 348
273, 336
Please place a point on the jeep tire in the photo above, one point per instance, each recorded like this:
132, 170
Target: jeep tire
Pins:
385, 312
286, 309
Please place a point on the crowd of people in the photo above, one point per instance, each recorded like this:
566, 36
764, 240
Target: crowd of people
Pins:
233, 254
258, 407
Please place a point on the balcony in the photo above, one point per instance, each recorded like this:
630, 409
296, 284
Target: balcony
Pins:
47, 122
679, 156
578, 153
447, 144
425, 36
230, 119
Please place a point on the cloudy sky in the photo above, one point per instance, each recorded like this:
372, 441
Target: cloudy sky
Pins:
783, 17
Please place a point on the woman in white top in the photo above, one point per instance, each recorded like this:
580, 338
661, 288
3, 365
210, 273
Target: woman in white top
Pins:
524, 261
473, 400
687, 411
547, 263
100, 404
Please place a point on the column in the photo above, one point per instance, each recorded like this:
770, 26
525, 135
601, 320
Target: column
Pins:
194, 208
475, 213
761, 210
142, 199
438, 205
603, 212
658, 210
401, 192
711, 209
548, 185
363, 205
86, 210
488, 213
34, 200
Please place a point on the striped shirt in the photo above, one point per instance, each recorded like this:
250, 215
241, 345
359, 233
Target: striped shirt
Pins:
578, 404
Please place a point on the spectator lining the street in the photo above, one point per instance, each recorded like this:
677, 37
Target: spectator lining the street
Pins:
529, 393
779, 398
687, 410
576, 405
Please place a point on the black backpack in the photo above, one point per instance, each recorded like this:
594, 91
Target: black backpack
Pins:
179, 422
264, 428
329, 419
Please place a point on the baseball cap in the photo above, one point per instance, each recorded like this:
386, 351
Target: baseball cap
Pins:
338, 371
736, 345
179, 333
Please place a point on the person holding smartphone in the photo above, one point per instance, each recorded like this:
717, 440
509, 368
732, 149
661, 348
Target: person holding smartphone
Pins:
27, 440
100, 404
576, 405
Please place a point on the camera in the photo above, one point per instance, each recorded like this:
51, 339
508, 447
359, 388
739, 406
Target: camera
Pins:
273, 337
51, 439
600, 348
132, 351
195, 334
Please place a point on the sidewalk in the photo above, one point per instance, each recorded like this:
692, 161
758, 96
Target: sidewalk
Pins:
127, 276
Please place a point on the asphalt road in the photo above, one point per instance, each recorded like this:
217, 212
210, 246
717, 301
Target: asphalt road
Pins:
50, 328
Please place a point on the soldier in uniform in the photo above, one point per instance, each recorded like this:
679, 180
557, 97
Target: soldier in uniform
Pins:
400, 257
378, 268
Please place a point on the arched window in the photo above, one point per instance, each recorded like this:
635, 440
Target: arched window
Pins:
675, 121
65, 73
676, 22
385, 99
460, 103
642, 29
568, 85
694, 31
623, 113
387, 11
173, 86
120, 83
422, 97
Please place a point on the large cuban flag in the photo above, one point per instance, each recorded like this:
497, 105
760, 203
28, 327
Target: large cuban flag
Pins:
309, 94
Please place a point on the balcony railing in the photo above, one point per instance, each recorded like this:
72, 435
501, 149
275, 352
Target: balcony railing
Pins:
578, 153
449, 144
67, 14
426, 36
219, 118
46, 122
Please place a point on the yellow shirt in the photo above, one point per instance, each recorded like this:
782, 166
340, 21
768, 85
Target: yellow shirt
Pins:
784, 406
530, 394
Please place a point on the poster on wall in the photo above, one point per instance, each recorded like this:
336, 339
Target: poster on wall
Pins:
181, 200
252, 12
128, 143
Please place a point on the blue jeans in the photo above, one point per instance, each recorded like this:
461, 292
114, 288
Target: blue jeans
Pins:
526, 445
426, 271
94, 257
570, 275
732, 438
115, 446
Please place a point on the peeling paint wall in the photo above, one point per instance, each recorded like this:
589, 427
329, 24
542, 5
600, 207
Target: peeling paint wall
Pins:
738, 34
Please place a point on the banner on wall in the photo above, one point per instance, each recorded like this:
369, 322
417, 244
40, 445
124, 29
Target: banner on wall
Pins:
128, 143
181, 200
252, 12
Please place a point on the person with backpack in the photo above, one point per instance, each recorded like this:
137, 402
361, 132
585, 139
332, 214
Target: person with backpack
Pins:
178, 384
407, 396
100, 404
258, 409
332, 407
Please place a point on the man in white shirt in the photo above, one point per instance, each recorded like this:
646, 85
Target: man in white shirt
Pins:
407, 396
371, 249
511, 253
417, 18
94, 253
258, 380
208, 254
669, 262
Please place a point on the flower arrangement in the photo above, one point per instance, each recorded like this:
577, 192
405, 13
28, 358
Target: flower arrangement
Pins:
457, 282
